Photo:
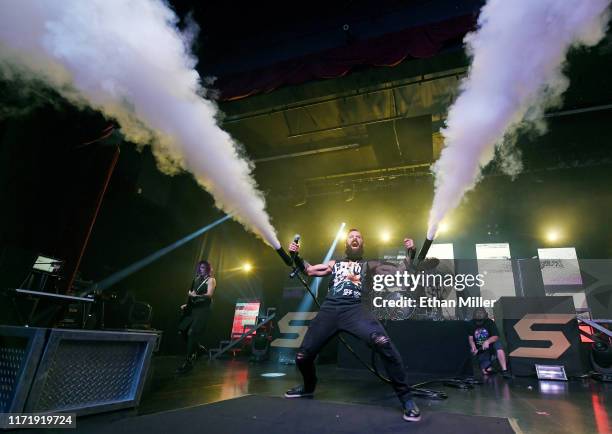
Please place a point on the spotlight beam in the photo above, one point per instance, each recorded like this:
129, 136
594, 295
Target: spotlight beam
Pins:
131, 269
314, 285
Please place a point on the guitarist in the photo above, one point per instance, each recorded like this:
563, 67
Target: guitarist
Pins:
195, 313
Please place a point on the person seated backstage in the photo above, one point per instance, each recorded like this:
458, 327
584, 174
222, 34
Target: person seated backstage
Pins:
485, 344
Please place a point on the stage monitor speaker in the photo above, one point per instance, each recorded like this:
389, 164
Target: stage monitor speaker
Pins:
20, 351
87, 372
539, 330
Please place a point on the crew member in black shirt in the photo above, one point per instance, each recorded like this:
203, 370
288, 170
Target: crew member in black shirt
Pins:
484, 342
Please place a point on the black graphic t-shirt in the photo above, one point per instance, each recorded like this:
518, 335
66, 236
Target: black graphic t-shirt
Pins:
481, 333
347, 282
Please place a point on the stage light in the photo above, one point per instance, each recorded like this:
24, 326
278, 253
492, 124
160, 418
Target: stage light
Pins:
551, 372
247, 267
273, 374
602, 357
385, 236
443, 227
553, 235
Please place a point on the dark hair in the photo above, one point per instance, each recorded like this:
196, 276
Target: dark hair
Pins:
207, 267
353, 230
480, 311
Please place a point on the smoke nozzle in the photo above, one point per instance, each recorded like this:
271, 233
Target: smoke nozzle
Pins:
284, 256
424, 249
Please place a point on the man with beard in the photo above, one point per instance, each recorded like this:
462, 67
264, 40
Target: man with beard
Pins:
342, 311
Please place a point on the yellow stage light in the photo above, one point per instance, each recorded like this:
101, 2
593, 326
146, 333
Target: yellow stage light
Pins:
247, 267
385, 236
553, 235
443, 227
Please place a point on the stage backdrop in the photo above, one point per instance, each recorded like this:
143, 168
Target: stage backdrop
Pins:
539, 330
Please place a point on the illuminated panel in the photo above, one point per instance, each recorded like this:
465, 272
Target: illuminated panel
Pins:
493, 251
494, 263
46, 264
441, 251
245, 314
560, 266
588, 329
561, 272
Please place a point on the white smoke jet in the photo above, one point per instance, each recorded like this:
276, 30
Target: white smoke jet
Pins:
127, 59
517, 52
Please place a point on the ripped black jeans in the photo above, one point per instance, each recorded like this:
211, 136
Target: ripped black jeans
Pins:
358, 321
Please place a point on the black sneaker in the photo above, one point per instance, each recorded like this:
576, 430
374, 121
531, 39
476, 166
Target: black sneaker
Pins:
411, 411
298, 392
506, 374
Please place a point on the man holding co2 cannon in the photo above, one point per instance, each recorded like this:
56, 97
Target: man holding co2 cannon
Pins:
342, 310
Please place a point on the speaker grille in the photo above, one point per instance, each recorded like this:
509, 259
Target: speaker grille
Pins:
84, 373
12, 357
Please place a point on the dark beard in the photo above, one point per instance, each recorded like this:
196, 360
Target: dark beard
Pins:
352, 254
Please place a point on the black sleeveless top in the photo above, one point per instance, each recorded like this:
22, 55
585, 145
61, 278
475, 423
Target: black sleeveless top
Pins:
347, 282
200, 286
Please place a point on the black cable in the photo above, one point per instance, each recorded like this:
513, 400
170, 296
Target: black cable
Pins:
453, 382
417, 389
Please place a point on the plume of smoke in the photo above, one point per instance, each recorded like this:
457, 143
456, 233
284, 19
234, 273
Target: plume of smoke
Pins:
127, 59
518, 53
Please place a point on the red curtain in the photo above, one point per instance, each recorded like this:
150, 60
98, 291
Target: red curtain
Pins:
388, 50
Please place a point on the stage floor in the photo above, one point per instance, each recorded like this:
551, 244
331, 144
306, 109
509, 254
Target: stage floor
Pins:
579, 406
